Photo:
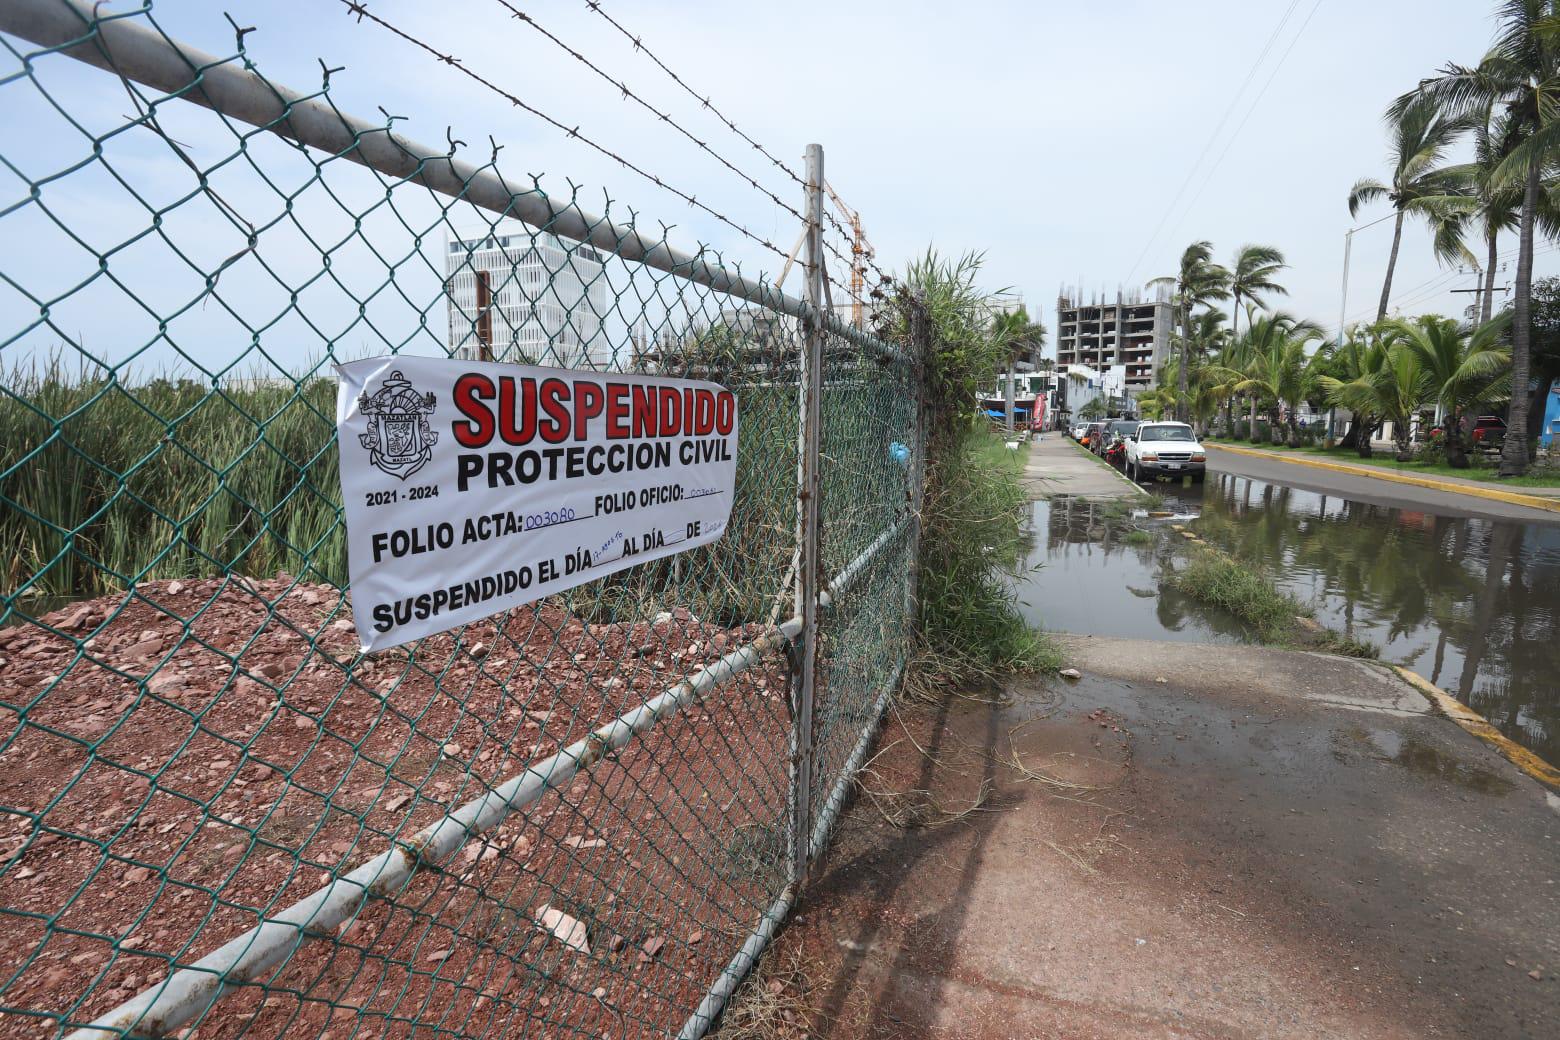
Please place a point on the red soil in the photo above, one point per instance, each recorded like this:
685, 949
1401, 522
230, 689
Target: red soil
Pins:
218, 750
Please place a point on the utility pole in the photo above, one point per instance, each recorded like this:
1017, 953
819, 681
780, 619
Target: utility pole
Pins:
484, 317
1343, 299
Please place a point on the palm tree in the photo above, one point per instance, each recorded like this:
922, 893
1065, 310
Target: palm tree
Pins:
1361, 353
1465, 365
1260, 358
1205, 385
1282, 373
1520, 75
1016, 336
1198, 282
1231, 360
1251, 276
1390, 387
1420, 137
1500, 208
1152, 404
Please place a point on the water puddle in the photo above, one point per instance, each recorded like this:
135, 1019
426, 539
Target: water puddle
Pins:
1421, 758
1469, 603
1095, 569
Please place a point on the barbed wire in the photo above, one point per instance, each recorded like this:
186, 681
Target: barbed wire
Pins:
360, 8
665, 117
706, 102
703, 100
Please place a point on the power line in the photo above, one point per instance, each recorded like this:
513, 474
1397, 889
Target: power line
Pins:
705, 102
1247, 117
1234, 101
1436, 284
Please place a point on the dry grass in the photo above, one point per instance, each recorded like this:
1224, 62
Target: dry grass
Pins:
774, 1002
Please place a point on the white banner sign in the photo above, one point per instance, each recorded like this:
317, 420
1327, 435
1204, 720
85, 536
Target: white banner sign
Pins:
472, 487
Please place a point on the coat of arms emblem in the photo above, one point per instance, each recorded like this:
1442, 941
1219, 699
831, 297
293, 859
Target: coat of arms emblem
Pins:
398, 440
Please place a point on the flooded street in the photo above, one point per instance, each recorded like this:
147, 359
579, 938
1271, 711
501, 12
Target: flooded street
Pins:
1469, 603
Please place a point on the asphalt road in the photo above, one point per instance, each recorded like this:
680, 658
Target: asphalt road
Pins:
1369, 489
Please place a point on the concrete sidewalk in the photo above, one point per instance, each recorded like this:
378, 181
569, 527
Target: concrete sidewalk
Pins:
1190, 841
1057, 465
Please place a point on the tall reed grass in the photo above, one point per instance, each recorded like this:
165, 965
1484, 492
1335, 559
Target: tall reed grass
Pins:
103, 484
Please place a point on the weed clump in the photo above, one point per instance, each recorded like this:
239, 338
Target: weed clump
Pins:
1347, 646
972, 538
1221, 581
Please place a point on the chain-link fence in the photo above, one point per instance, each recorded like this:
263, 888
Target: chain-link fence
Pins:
582, 817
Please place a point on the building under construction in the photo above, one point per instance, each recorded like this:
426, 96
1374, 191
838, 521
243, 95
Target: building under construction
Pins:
1104, 332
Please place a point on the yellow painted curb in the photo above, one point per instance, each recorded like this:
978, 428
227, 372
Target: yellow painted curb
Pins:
1510, 497
1480, 727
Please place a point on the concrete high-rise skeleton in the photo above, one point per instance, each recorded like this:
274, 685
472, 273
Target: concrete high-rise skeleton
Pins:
1128, 331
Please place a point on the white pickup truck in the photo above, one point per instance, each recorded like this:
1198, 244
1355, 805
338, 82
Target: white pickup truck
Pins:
1165, 448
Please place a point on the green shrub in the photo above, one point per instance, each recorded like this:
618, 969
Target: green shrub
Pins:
972, 545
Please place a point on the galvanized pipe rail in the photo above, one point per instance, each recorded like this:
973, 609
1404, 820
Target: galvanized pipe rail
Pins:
136, 52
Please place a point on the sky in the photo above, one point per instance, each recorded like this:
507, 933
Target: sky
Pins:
1069, 144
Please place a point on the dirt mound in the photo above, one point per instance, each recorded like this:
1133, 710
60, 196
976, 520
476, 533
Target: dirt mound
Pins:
181, 761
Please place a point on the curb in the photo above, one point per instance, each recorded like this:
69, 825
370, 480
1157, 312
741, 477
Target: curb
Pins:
1480, 727
1125, 479
1509, 497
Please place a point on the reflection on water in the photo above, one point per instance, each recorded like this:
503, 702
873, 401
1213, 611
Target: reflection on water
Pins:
1089, 574
1469, 603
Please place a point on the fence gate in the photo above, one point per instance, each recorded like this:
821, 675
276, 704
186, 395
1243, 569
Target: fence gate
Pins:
585, 817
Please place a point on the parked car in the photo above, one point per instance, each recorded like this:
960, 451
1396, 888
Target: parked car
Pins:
1092, 434
1116, 431
1488, 431
1077, 431
1165, 448
1484, 432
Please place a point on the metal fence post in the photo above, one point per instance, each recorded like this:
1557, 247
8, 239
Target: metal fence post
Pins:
920, 349
805, 660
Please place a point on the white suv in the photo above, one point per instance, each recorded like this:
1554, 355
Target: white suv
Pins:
1167, 448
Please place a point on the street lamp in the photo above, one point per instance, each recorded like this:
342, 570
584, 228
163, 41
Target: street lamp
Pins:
1343, 299
1348, 245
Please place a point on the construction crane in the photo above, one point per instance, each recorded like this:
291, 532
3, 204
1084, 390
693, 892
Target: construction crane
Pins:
861, 252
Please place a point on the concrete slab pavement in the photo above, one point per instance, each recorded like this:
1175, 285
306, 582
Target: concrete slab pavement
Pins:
1057, 465
1190, 841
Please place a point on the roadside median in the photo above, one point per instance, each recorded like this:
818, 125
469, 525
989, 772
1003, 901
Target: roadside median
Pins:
1380, 473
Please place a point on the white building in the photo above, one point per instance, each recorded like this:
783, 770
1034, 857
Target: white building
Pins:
546, 298
1080, 384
